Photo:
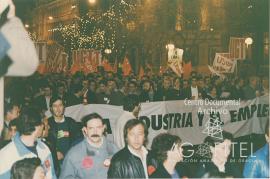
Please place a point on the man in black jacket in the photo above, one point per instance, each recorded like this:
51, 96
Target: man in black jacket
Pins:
63, 130
131, 161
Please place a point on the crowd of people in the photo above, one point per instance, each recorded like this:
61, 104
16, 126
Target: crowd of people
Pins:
110, 88
68, 149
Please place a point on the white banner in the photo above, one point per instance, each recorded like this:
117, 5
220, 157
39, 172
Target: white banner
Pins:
175, 60
192, 120
223, 64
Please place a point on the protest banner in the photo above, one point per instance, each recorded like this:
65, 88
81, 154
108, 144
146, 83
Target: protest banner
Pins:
175, 60
192, 120
223, 64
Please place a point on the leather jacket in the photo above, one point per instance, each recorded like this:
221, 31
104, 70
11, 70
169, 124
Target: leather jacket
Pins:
126, 165
257, 165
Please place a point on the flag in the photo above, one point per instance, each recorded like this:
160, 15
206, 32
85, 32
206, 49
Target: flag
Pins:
237, 48
187, 68
75, 62
90, 61
107, 66
141, 72
175, 60
126, 67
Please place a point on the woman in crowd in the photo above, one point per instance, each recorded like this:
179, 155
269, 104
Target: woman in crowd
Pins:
168, 152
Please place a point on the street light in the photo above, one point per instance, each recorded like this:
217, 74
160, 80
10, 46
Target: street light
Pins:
26, 26
108, 51
92, 1
50, 17
248, 41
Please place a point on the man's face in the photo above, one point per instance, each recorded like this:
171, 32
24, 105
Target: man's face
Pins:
85, 84
14, 113
58, 108
110, 75
94, 130
132, 88
111, 85
201, 83
221, 151
102, 88
61, 90
253, 81
47, 91
194, 82
12, 131
146, 86
92, 86
135, 137
166, 83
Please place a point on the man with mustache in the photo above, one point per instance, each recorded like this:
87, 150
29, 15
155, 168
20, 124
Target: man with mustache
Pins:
91, 157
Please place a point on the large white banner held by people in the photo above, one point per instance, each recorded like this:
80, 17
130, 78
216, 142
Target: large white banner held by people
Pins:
192, 120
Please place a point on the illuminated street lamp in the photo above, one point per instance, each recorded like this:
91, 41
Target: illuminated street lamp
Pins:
92, 1
108, 51
50, 17
26, 26
248, 41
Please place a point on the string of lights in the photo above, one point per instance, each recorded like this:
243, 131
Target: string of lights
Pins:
98, 31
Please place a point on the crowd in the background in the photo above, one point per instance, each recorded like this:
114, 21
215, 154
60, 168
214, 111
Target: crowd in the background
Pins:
68, 149
110, 88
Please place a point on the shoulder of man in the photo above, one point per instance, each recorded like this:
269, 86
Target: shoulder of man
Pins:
76, 149
121, 156
70, 119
